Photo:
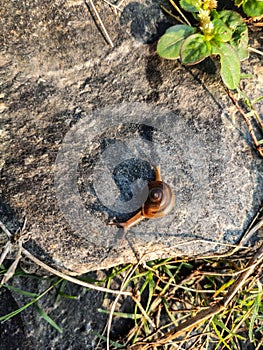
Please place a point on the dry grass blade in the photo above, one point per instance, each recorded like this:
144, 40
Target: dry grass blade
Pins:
104, 30
16, 239
11, 271
144, 312
115, 303
5, 230
255, 50
6, 250
120, 3
172, 15
259, 147
71, 279
260, 345
115, 7
254, 264
180, 12
52, 270
253, 228
182, 328
136, 299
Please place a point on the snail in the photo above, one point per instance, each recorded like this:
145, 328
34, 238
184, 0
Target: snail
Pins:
160, 202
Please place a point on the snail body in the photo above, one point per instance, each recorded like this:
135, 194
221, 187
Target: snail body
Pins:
160, 202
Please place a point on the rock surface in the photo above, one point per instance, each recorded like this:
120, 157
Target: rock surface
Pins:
85, 124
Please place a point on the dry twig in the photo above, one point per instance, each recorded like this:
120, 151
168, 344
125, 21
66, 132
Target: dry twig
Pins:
104, 30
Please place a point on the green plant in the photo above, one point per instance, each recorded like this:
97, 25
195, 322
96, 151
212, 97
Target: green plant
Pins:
195, 294
34, 298
252, 8
218, 33
216, 301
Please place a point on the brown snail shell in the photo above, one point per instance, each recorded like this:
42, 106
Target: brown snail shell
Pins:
160, 202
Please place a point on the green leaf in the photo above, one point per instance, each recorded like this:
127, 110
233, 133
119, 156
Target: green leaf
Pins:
170, 43
167, 309
228, 333
239, 2
234, 23
151, 285
47, 318
224, 287
68, 296
254, 316
191, 5
245, 98
114, 344
126, 315
253, 8
195, 49
240, 43
221, 31
231, 18
258, 99
246, 76
21, 292
240, 33
230, 63
16, 312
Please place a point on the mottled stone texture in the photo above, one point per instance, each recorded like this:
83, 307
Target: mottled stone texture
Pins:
59, 77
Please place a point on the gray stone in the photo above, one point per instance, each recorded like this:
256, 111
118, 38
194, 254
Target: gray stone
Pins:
76, 111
